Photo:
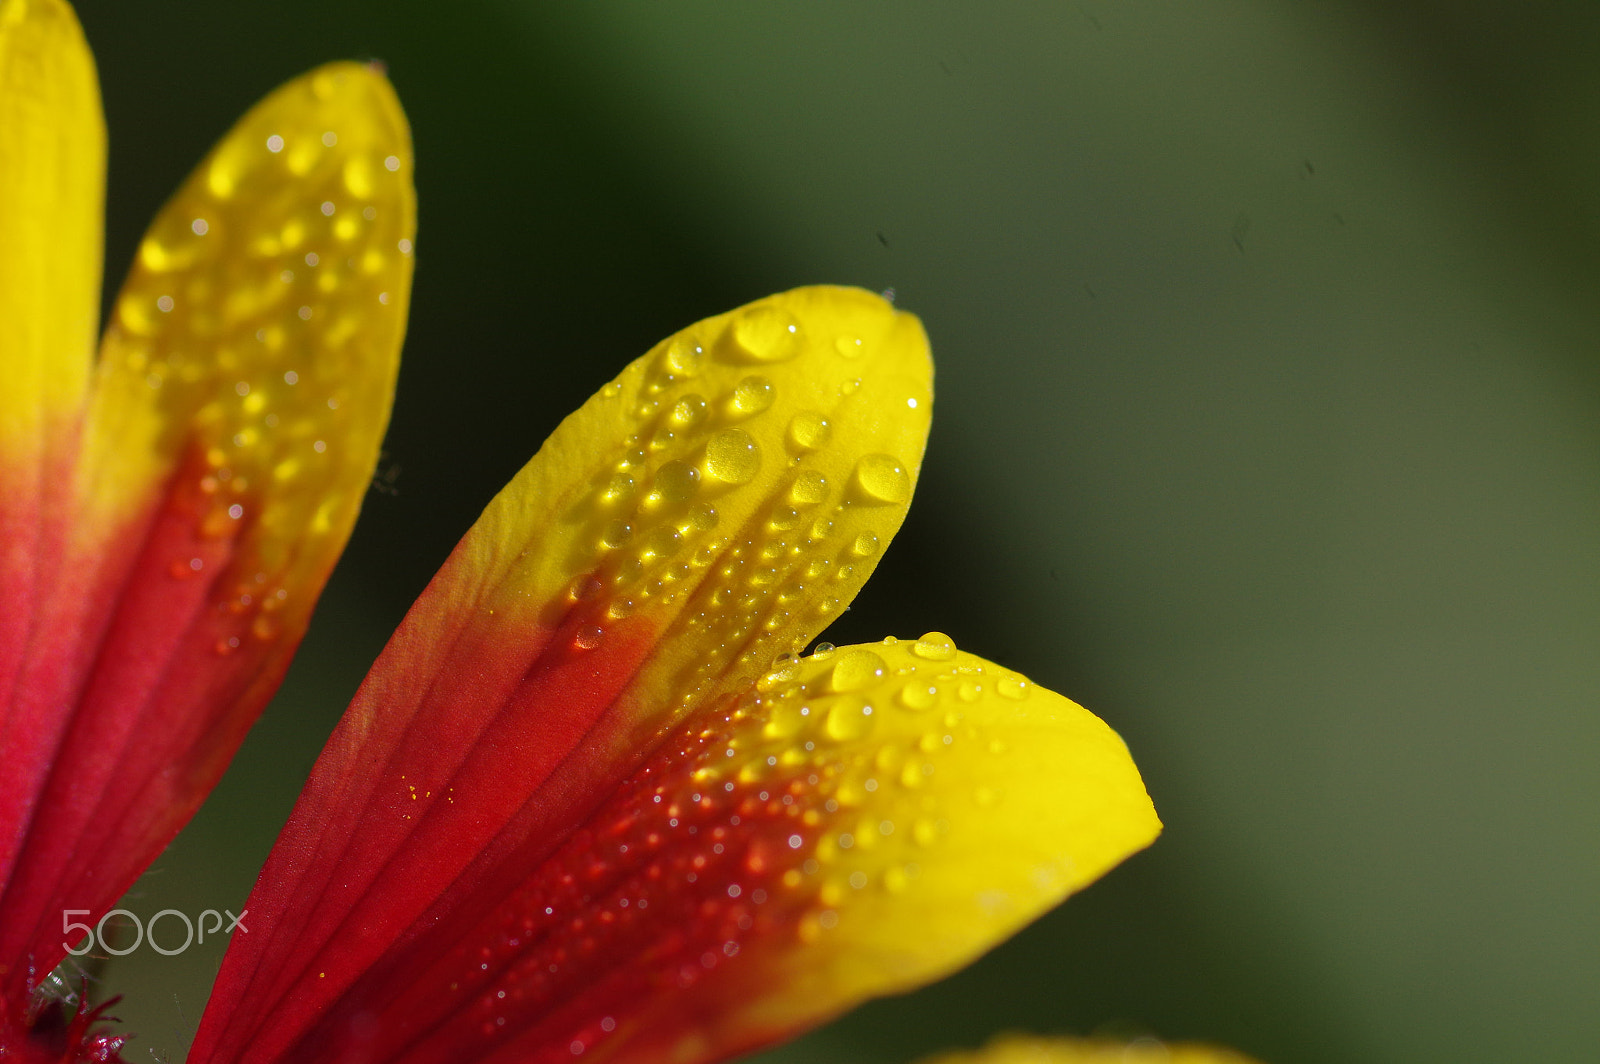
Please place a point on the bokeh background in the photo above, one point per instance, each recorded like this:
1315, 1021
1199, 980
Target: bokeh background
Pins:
1267, 337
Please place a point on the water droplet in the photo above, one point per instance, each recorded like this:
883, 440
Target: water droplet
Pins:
589, 637
848, 346
687, 412
684, 358
969, 691
611, 391
809, 488
750, 396
855, 669
880, 478
1015, 688
918, 695
584, 587
676, 482
934, 646
848, 719
809, 431
865, 545
822, 651
763, 333
732, 457
849, 387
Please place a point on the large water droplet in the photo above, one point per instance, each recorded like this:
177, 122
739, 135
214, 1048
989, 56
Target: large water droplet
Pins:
763, 333
880, 478
855, 669
732, 457
934, 646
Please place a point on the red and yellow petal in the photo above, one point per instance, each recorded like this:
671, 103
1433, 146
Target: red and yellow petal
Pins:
859, 823
710, 509
243, 389
52, 172
1022, 1049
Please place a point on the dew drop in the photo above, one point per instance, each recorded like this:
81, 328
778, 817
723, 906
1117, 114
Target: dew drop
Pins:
589, 637
856, 668
865, 545
822, 651
611, 390
847, 720
763, 333
808, 431
1014, 687
676, 482
684, 358
934, 646
848, 346
809, 488
880, 478
732, 457
687, 412
918, 695
969, 691
751, 396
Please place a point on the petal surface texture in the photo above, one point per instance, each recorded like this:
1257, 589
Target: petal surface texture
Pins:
858, 823
1017, 1049
708, 510
229, 435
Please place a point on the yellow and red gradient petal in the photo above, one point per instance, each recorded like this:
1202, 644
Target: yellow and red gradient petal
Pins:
859, 823
1022, 1049
242, 392
52, 175
709, 509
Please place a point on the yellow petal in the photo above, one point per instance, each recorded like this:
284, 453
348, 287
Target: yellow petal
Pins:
1021, 1049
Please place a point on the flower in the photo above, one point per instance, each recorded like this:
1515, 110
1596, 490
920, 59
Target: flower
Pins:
588, 800
168, 514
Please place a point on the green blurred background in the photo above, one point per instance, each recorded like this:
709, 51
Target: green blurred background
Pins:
1267, 428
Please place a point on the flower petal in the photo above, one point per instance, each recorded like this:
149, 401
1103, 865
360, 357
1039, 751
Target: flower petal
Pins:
709, 509
243, 389
873, 819
1021, 1049
52, 174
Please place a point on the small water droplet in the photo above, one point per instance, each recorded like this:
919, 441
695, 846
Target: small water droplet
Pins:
918, 695
856, 668
880, 478
848, 346
611, 391
934, 646
687, 412
865, 545
1015, 688
732, 457
763, 333
809, 488
676, 482
750, 396
808, 431
822, 651
684, 358
848, 719
589, 637
969, 691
